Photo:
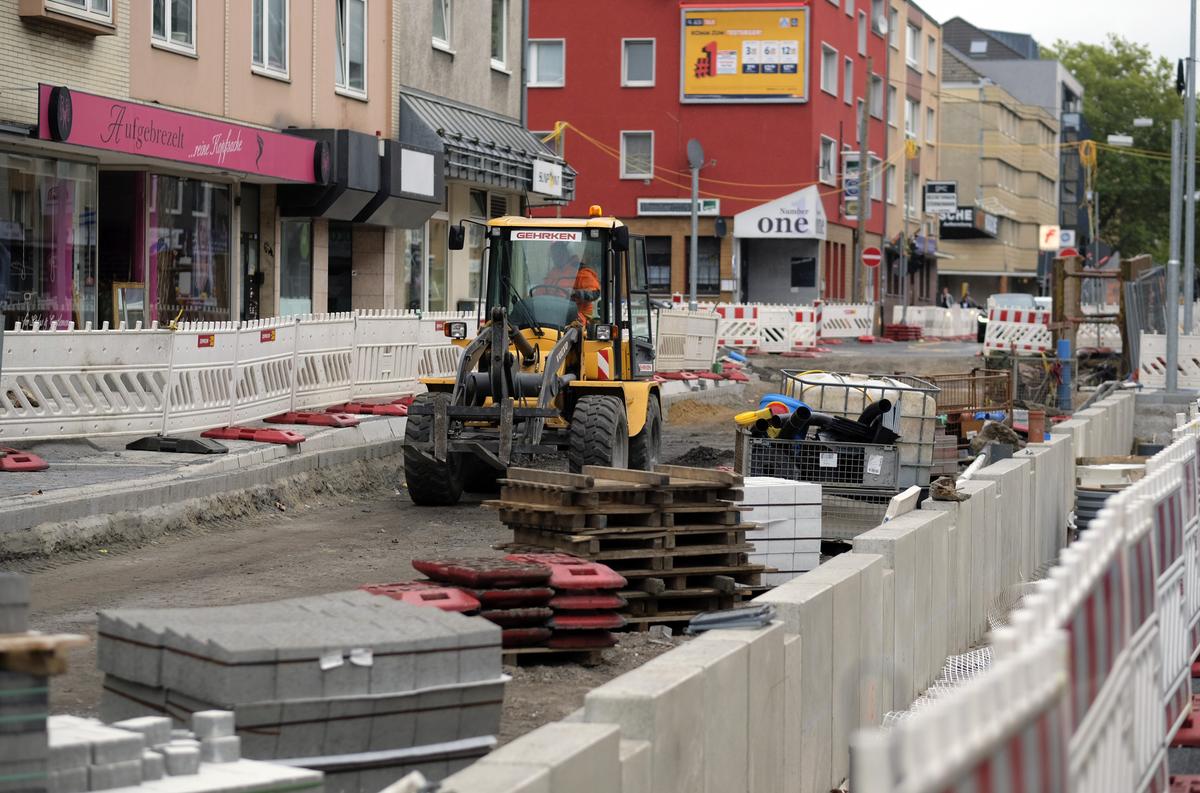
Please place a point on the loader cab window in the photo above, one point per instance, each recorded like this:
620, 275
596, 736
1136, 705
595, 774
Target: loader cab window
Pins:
639, 297
547, 277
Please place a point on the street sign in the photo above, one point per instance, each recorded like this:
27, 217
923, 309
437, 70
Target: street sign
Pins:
1067, 253
871, 257
1049, 238
941, 198
1066, 238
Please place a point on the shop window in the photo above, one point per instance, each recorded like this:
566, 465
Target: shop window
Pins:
351, 66
269, 31
637, 155
47, 240
410, 291
637, 63
442, 19
174, 24
804, 272
188, 239
658, 264
546, 63
438, 254
500, 34
708, 265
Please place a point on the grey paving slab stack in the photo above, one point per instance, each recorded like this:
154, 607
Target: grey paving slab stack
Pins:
363, 687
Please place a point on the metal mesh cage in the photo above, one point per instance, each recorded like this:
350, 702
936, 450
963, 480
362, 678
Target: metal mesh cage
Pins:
846, 464
845, 395
979, 389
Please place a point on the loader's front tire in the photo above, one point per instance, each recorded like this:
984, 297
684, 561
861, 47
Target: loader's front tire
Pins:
644, 447
599, 433
430, 483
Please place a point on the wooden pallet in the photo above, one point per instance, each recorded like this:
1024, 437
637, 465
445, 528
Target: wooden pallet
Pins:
37, 653
698, 600
597, 545
528, 656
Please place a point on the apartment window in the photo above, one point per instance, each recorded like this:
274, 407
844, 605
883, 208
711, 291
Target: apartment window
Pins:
829, 59
876, 96
858, 114
547, 63
877, 16
912, 119
849, 8
97, 10
828, 162
499, 34
912, 47
979, 47
269, 29
708, 265
889, 179
173, 24
637, 155
930, 125
351, 67
894, 28
848, 81
862, 32
931, 55
442, 23
637, 63
892, 108
658, 264
875, 175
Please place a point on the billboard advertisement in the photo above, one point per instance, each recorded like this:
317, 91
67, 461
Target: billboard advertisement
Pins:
744, 53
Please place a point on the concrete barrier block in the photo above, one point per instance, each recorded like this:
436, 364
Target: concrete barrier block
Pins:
499, 778
725, 666
637, 771
887, 657
583, 757
766, 703
1013, 499
665, 707
806, 608
872, 669
793, 712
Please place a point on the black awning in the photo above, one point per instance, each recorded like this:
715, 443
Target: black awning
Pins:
411, 187
354, 177
479, 146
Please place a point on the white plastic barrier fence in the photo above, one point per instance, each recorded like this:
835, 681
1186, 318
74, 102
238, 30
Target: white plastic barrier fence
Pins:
847, 320
938, 322
806, 327
1152, 362
200, 391
1028, 330
263, 363
686, 340
324, 360
439, 358
738, 326
388, 352
775, 327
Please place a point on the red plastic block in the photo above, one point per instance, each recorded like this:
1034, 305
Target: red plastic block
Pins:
366, 409
587, 602
484, 572
523, 637
16, 461
1185, 783
1195, 666
514, 598
259, 434
737, 377
518, 618
404, 400
587, 622
419, 593
582, 640
571, 572
710, 376
1189, 733
314, 419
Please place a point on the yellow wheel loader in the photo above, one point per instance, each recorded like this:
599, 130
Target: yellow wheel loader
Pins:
562, 359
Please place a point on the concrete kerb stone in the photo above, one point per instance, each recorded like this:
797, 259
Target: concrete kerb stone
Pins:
582, 757
637, 769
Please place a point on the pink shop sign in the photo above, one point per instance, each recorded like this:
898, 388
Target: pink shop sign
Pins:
98, 122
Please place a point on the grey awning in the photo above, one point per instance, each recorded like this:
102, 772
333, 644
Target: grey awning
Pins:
480, 146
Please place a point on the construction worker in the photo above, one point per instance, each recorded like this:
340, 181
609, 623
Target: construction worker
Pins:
575, 280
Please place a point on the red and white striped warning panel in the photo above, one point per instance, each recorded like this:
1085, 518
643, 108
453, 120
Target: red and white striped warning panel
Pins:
847, 320
738, 326
1026, 330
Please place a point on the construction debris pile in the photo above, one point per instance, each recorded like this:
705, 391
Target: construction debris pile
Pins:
675, 534
363, 687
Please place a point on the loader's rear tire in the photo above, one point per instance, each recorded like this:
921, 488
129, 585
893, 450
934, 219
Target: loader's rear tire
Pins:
599, 433
430, 483
478, 476
644, 447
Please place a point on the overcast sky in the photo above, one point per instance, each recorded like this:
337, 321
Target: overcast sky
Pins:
1160, 24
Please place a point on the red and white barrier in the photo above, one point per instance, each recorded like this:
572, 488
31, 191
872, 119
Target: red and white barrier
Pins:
847, 320
806, 328
1026, 330
775, 328
1152, 362
738, 326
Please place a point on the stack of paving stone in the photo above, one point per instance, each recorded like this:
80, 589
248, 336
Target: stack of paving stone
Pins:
366, 688
788, 514
145, 754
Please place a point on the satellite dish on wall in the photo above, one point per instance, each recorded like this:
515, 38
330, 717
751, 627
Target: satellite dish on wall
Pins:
695, 154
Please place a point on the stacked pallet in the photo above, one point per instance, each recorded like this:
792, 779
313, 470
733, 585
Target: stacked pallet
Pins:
675, 533
945, 455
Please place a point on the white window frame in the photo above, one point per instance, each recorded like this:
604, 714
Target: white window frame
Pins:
445, 44
640, 176
826, 51
930, 124
500, 64
346, 90
894, 28
912, 55
875, 176
859, 108
532, 61
889, 180
864, 24
931, 55
830, 144
86, 11
875, 89
849, 8
892, 112
169, 43
262, 68
912, 120
848, 80
625, 81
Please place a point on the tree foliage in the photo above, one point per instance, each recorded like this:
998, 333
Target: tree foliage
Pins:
1123, 81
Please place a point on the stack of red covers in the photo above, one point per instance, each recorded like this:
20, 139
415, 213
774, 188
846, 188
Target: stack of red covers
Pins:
585, 603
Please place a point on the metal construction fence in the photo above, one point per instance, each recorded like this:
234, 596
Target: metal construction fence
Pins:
1091, 675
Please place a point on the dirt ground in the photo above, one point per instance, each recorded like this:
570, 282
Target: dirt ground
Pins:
338, 541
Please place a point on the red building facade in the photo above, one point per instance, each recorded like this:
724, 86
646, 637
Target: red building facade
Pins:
613, 73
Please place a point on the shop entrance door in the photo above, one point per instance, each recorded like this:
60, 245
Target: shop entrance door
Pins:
253, 278
341, 263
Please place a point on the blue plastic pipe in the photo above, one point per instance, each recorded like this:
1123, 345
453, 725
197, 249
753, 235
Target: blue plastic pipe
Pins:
1064, 387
